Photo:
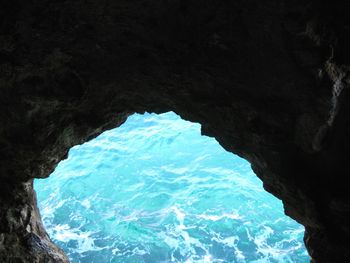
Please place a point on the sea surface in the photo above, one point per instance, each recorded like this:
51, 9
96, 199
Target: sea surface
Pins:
155, 190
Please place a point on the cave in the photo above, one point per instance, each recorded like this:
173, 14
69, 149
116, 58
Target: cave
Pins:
268, 80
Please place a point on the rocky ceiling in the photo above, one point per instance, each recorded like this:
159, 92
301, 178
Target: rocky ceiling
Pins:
268, 79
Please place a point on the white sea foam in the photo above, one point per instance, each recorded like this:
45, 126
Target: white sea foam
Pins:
153, 191
234, 216
64, 233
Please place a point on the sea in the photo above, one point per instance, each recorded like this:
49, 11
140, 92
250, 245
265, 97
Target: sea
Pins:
156, 190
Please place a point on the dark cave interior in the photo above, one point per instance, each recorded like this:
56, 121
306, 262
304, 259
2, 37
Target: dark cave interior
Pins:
268, 80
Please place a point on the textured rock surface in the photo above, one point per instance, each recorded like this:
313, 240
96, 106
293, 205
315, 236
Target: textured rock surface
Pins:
22, 235
268, 80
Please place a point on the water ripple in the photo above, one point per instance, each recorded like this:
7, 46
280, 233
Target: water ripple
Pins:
155, 190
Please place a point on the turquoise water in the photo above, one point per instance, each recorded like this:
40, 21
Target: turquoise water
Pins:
155, 190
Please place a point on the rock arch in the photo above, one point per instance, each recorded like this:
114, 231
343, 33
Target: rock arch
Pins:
268, 80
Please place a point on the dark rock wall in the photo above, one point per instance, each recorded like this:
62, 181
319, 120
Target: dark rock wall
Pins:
22, 235
268, 79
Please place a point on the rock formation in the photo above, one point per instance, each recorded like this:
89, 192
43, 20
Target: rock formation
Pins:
268, 79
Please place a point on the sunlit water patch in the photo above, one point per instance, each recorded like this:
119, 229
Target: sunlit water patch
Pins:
155, 190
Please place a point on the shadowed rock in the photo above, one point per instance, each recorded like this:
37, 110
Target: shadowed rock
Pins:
268, 80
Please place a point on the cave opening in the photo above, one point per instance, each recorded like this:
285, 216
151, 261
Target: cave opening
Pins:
156, 190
